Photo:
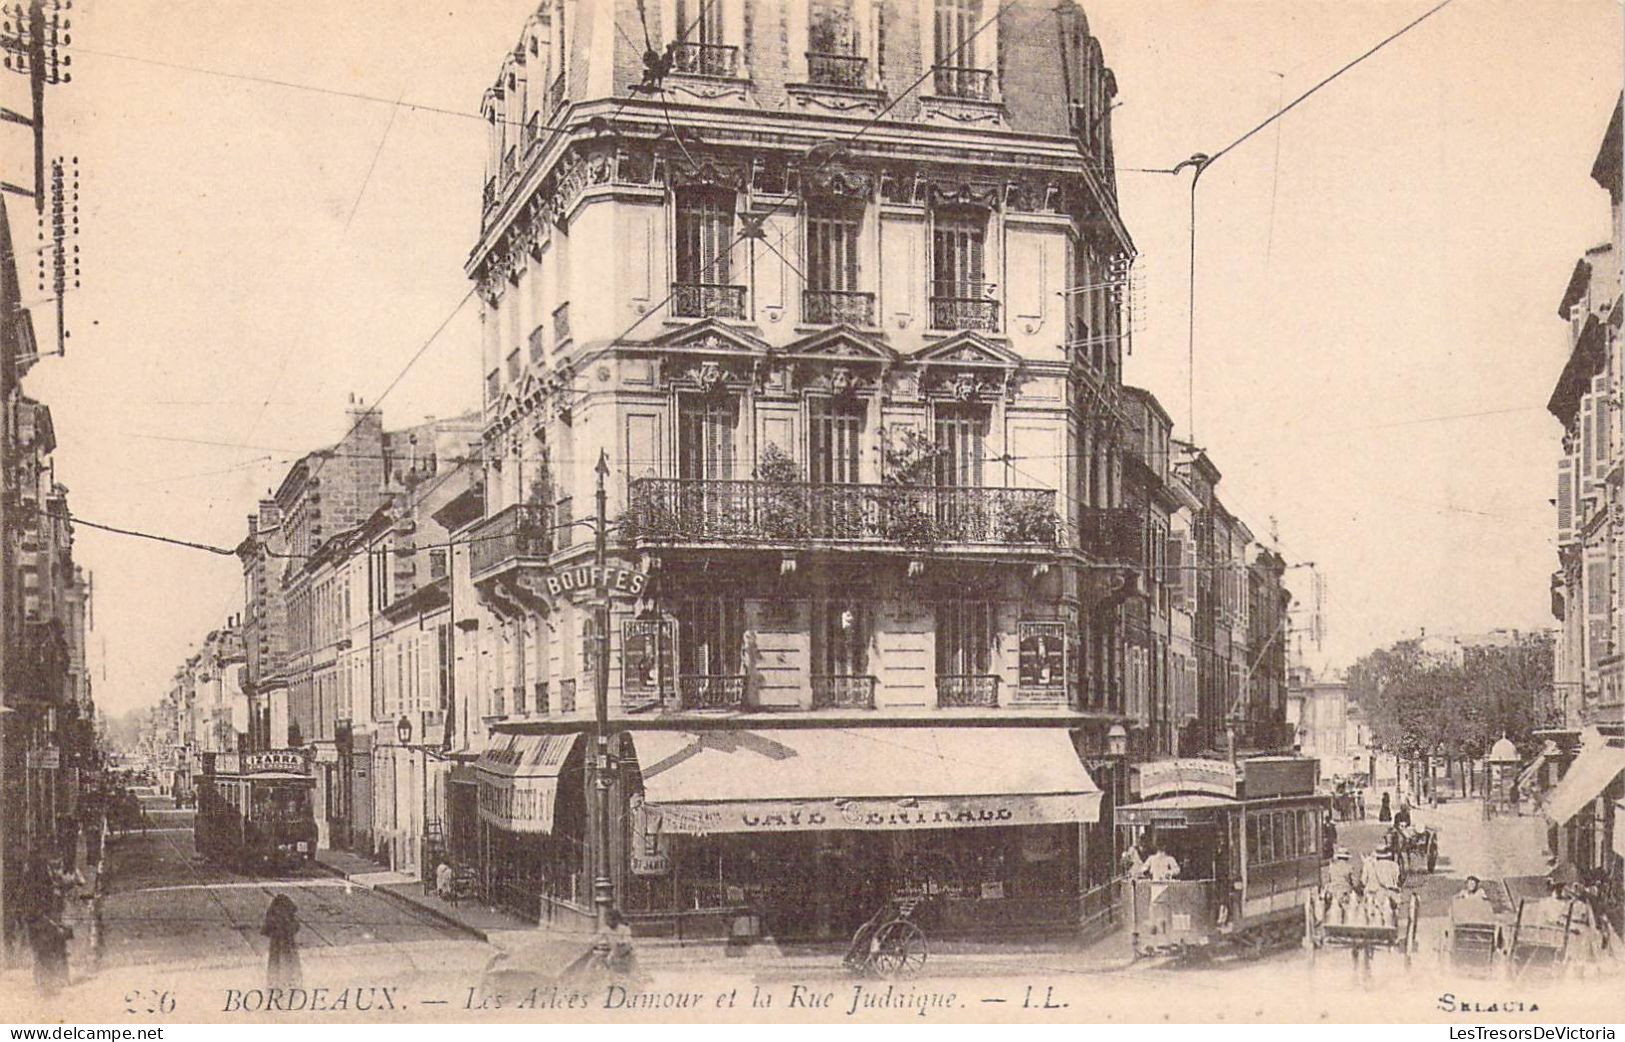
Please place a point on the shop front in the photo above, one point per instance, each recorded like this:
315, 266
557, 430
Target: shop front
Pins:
532, 814
805, 832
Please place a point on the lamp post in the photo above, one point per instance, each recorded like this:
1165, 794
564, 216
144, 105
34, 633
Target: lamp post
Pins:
603, 893
403, 734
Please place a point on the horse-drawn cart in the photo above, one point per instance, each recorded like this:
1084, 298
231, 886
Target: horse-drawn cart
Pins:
1361, 921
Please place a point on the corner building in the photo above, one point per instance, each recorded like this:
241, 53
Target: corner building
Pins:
852, 350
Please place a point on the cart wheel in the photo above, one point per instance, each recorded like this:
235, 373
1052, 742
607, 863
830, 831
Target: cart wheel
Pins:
899, 950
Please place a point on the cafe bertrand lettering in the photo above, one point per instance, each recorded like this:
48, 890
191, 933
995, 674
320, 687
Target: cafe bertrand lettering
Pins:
865, 814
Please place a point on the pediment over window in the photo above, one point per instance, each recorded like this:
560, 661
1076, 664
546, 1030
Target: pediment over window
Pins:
842, 342
968, 348
710, 337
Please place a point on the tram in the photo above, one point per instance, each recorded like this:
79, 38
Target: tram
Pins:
254, 810
1247, 842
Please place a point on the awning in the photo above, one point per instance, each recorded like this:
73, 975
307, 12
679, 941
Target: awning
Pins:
1527, 775
871, 778
1587, 777
519, 780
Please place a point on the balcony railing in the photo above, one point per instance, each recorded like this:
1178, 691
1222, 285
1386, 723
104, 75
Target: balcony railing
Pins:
967, 690
671, 510
555, 93
843, 692
956, 81
706, 59
707, 300
833, 306
961, 307
711, 692
524, 530
837, 70
561, 324
1114, 534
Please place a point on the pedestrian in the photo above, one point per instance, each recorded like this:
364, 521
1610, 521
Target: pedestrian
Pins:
48, 937
281, 923
1385, 812
1402, 817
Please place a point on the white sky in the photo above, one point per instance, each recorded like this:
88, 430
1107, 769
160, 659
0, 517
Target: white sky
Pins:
1401, 260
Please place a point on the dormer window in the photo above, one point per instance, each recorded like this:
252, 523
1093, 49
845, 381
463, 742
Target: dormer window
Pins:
702, 47
835, 55
956, 69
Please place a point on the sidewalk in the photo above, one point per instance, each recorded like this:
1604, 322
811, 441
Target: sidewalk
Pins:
469, 916
519, 937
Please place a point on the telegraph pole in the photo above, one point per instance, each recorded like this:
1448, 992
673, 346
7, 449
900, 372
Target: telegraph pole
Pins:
603, 888
33, 41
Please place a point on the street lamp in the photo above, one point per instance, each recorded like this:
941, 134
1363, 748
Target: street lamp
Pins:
1117, 741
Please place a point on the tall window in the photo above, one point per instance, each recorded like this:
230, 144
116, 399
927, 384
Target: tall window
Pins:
964, 638
832, 245
831, 28
705, 438
710, 634
957, 22
702, 49
834, 440
956, 254
961, 434
700, 21
705, 237
840, 638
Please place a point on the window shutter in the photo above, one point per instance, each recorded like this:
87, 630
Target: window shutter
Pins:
1587, 411
1565, 498
1176, 570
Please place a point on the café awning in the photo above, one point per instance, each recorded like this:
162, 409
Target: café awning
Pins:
866, 778
519, 780
1589, 774
1527, 775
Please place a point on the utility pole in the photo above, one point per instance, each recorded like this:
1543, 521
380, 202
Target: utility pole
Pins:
603, 888
33, 41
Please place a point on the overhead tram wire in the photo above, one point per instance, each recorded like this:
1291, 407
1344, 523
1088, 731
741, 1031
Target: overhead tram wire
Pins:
1201, 161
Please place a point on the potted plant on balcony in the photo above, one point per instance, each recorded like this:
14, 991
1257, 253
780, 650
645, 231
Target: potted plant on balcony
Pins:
1026, 520
781, 506
907, 513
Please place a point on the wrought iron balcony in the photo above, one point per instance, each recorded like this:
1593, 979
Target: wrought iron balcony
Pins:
837, 70
843, 692
956, 81
522, 531
706, 59
677, 511
833, 306
1112, 534
707, 300
961, 307
555, 93
967, 690
711, 692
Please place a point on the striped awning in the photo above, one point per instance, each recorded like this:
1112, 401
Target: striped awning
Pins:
519, 780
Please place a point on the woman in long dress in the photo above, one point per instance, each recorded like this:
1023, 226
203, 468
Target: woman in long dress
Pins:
281, 923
